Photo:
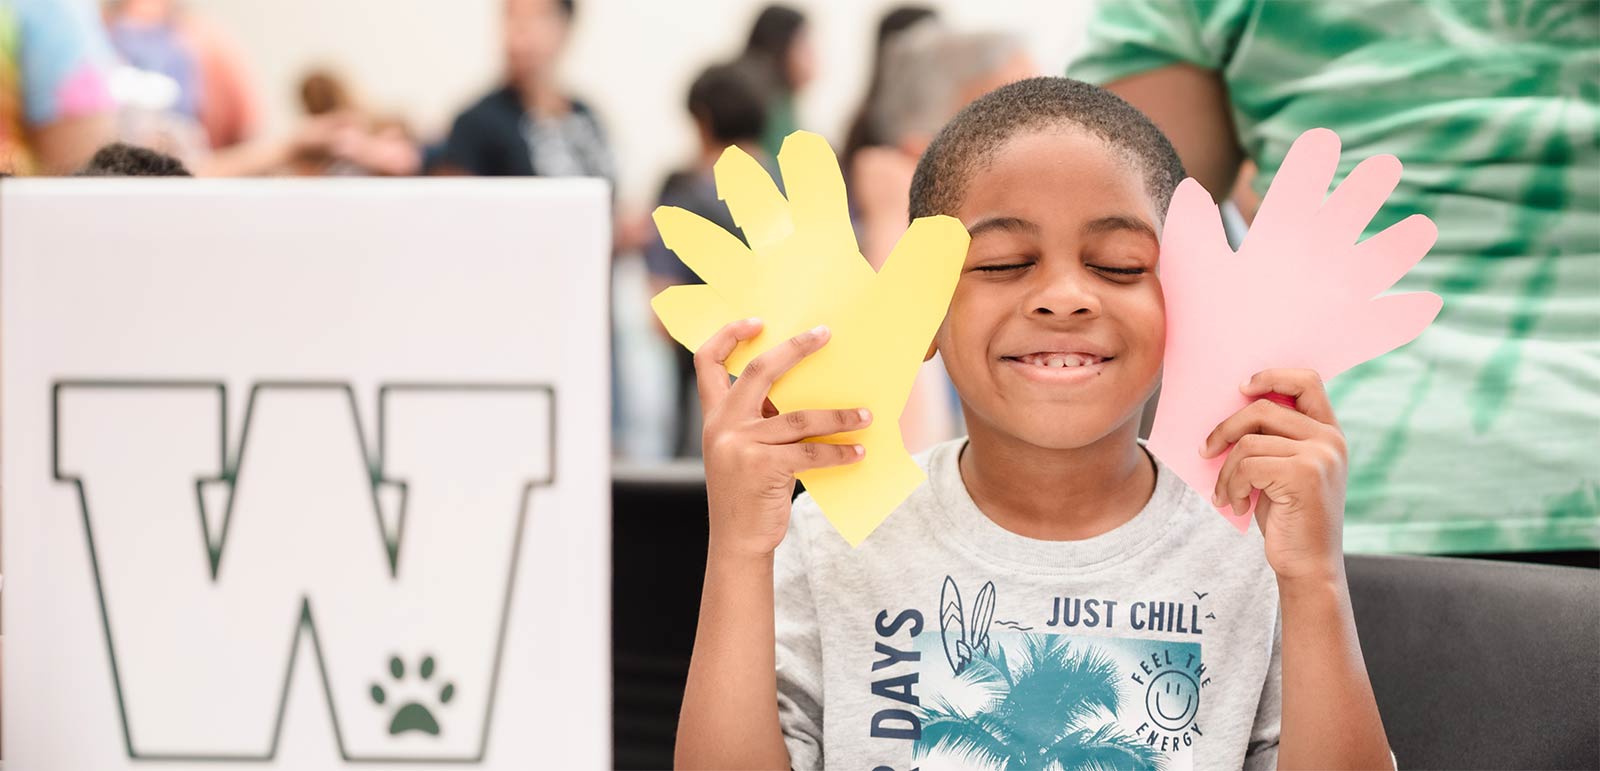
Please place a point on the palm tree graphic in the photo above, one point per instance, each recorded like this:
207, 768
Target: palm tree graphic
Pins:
1052, 707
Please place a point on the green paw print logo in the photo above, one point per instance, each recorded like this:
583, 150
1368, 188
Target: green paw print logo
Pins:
412, 715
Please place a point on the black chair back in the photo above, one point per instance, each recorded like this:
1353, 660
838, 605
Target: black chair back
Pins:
658, 553
1481, 664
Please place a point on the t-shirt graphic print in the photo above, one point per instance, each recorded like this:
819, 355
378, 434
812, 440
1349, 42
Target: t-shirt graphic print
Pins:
1002, 693
947, 642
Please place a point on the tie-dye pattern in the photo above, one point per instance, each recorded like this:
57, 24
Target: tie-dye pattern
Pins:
54, 62
1484, 434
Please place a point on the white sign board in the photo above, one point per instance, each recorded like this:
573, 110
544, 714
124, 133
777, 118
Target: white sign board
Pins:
304, 475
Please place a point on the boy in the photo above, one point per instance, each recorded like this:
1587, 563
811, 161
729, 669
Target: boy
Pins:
1053, 597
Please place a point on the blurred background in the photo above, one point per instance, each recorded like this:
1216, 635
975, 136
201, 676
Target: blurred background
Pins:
1482, 438
632, 63
643, 94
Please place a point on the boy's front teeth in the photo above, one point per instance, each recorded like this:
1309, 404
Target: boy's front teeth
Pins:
1060, 359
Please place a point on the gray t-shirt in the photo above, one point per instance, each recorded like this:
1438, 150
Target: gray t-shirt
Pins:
946, 641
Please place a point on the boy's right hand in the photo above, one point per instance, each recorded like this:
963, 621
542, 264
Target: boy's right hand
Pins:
751, 452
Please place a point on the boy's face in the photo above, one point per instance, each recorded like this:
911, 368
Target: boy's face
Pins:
1056, 330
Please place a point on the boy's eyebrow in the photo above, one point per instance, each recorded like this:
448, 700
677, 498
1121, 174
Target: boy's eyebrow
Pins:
1010, 224
1120, 222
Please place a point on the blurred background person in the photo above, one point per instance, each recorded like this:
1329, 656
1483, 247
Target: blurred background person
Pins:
181, 85
529, 125
780, 51
929, 73
55, 101
729, 109
322, 92
182, 91
862, 133
157, 82
359, 142
1482, 435
230, 105
124, 160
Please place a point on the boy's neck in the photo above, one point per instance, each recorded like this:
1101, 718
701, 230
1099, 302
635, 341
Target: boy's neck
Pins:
1058, 495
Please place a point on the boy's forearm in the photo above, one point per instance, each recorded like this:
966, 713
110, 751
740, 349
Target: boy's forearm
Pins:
730, 704
1330, 717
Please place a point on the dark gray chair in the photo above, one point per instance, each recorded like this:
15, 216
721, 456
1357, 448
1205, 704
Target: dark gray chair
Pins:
1475, 664
1481, 664
658, 552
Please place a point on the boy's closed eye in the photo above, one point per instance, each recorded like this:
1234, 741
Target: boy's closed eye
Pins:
1001, 267
1121, 273
1116, 271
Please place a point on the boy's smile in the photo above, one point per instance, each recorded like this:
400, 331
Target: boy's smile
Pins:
1056, 330
1067, 361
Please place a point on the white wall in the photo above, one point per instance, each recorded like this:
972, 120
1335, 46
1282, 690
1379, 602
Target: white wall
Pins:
632, 60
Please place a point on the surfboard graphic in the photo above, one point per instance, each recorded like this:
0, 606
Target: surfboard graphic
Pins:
962, 634
982, 615
952, 627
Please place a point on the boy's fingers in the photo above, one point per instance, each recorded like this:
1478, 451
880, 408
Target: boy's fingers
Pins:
804, 456
1263, 513
791, 427
764, 370
1250, 446
1303, 385
1254, 473
711, 361
1261, 417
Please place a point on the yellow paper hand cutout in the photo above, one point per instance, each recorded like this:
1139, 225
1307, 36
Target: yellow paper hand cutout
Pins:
803, 268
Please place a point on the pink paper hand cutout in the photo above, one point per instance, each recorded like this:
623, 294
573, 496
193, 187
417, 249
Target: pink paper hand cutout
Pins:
1300, 293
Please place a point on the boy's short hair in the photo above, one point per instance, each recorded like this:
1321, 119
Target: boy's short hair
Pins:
124, 160
970, 139
728, 99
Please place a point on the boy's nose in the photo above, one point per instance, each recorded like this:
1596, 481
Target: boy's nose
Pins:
1085, 310
1063, 293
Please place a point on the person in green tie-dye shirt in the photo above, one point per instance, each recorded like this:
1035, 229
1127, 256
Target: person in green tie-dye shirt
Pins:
1484, 434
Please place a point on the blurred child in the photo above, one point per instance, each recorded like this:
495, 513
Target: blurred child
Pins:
779, 51
728, 108
863, 131
359, 142
124, 160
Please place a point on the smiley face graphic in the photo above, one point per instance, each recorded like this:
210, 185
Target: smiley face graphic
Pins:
1172, 700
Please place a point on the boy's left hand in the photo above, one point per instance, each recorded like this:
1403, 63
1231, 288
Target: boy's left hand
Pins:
1297, 458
